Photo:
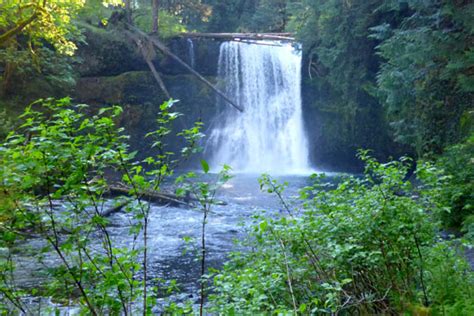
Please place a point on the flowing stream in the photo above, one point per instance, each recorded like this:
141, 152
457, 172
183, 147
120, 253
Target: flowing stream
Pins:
174, 237
265, 79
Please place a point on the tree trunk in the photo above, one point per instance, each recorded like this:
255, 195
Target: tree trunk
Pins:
152, 196
148, 54
156, 16
10, 68
128, 11
243, 36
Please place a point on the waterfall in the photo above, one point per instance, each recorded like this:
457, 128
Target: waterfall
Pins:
265, 79
192, 58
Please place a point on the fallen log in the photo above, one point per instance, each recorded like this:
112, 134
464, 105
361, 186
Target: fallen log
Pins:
240, 36
152, 196
115, 209
162, 47
253, 42
148, 55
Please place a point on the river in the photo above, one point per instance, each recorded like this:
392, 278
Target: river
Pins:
174, 237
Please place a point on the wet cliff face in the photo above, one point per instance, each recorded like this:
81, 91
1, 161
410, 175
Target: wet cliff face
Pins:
140, 96
338, 128
335, 133
206, 56
112, 72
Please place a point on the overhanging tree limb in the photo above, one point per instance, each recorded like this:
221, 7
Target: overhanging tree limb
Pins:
162, 47
17, 29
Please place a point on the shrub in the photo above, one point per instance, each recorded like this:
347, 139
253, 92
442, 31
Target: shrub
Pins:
61, 156
454, 186
361, 247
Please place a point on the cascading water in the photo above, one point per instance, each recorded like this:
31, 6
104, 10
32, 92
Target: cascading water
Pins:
192, 58
265, 79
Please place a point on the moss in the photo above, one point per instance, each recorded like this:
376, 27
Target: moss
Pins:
106, 53
140, 96
138, 88
134, 87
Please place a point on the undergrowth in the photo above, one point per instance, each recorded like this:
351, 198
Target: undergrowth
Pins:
370, 245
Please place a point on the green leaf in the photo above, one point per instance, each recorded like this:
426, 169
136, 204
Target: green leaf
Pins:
205, 166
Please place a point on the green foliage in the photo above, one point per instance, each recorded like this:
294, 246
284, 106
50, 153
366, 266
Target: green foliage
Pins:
364, 247
269, 16
37, 37
61, 154
412, 57
450, 179
169, 25
96, 12
35, 75
193, 14
40, 21
6, 124
450, 280
229, 15
174, 17
205, 193
335, 35
248, 16
426, 80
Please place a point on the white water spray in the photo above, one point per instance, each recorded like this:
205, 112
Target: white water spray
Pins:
265, 79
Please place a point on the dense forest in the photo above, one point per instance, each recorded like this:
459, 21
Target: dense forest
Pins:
92, 135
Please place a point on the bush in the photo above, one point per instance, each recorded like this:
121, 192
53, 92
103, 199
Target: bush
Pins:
361, 247
450, 281
450, 180
5, 124
60, 156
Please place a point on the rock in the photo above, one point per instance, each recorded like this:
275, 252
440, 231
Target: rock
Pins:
134, 87
206, 54
139, 95
337, 130
106, 53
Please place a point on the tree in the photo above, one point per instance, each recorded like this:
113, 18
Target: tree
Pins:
128, 10
426, 82
270, 16
29, 25
228, 15
42, 21
155, 16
